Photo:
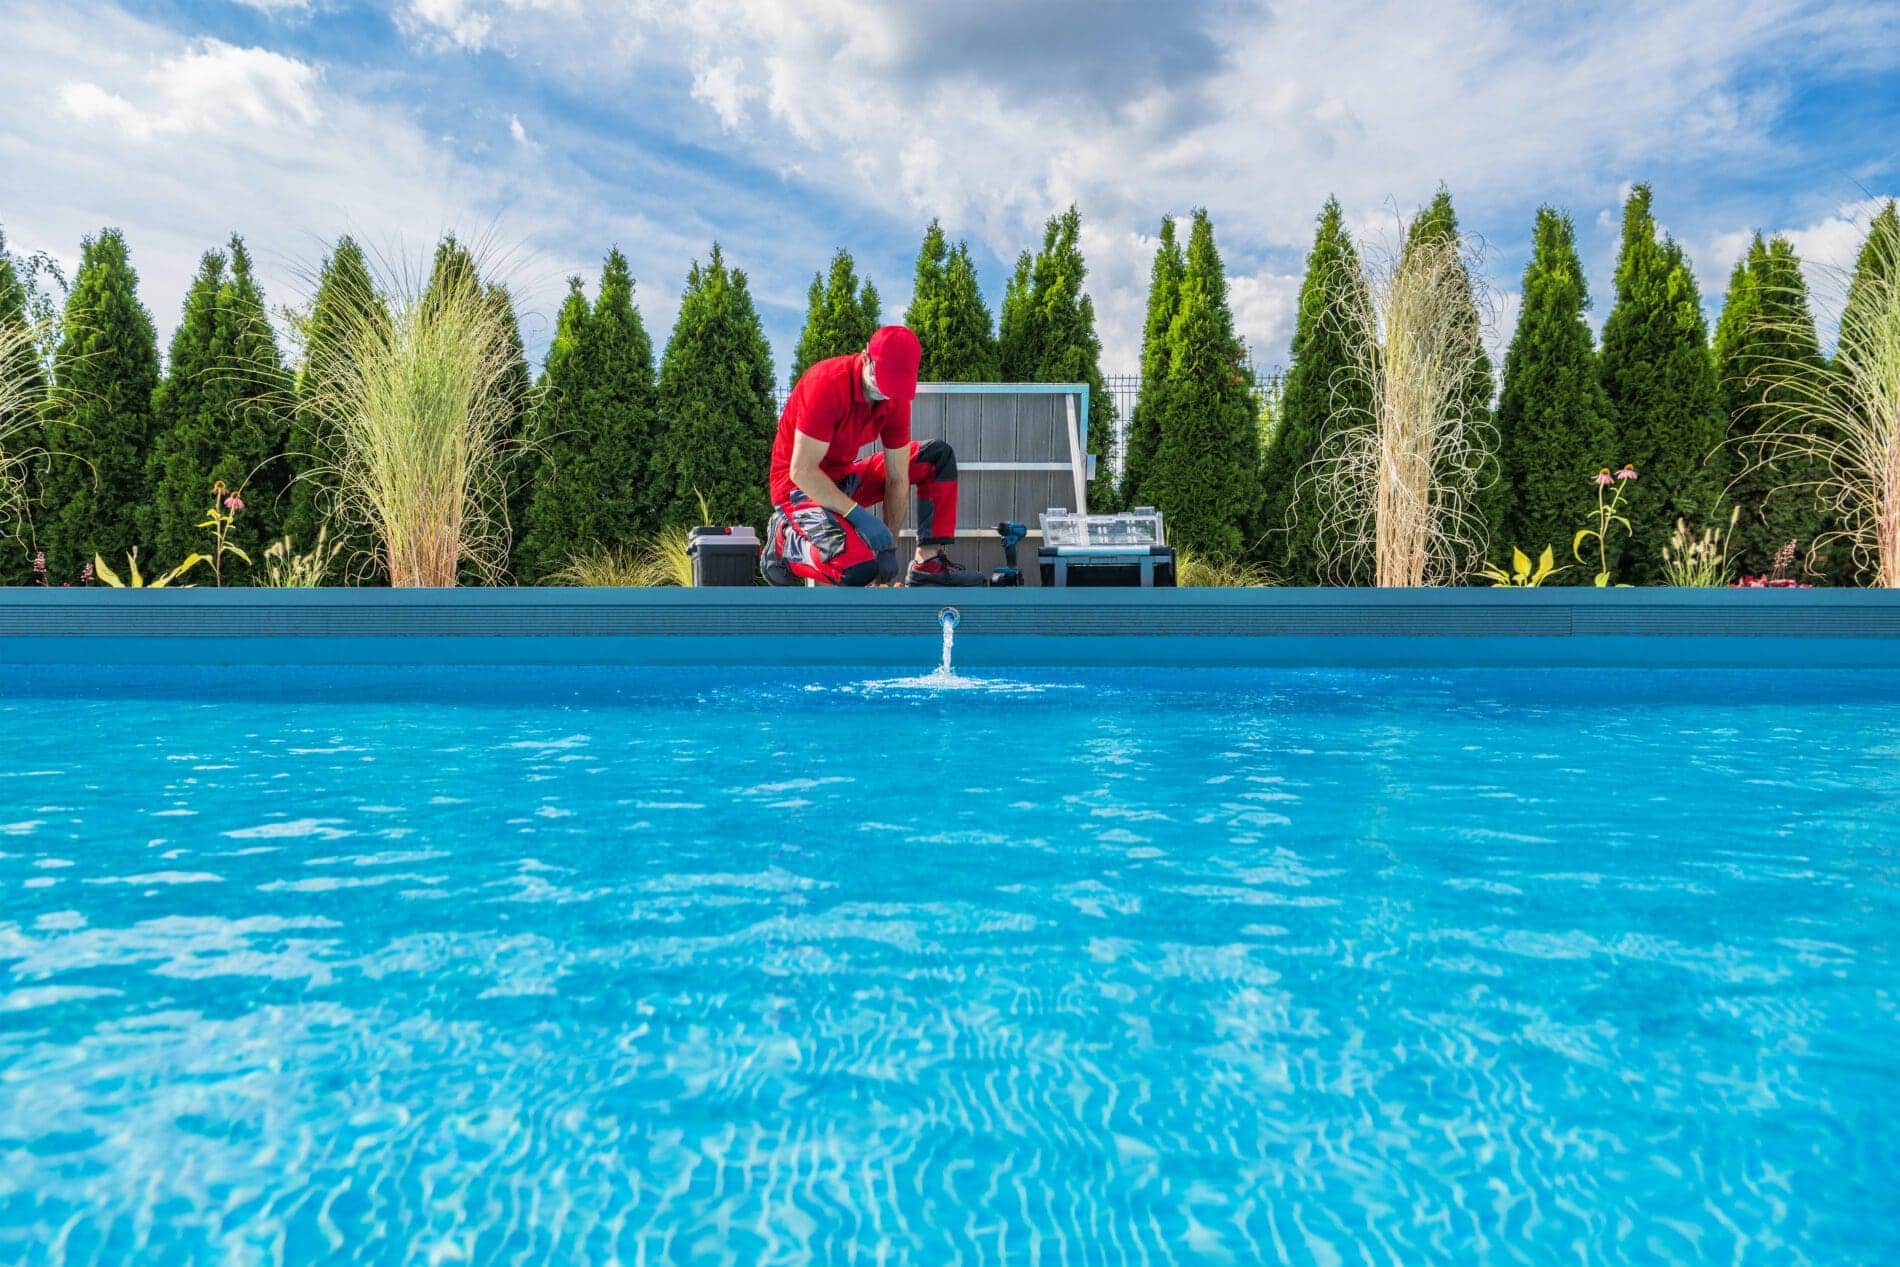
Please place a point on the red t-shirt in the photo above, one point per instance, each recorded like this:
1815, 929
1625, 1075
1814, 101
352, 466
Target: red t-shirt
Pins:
828, 403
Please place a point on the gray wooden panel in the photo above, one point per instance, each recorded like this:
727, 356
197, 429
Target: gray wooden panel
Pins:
1001, 426
1042, 433
962, 424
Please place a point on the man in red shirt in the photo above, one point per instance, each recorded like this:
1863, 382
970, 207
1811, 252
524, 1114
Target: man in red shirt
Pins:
826, 490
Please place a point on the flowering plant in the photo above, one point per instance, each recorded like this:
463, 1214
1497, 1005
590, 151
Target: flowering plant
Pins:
225, 505
1778, 579
1607, 514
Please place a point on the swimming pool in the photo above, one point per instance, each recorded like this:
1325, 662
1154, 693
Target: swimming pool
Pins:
1061, 967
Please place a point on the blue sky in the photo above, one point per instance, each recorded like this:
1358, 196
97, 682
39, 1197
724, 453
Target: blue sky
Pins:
553, 129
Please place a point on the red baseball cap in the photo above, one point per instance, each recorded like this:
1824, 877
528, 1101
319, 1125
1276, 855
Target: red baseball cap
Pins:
894, 354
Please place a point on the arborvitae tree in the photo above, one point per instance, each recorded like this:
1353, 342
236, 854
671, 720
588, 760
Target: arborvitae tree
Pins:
221, 414
1882, 245
1049, 337
841, 317
344, 289
1439, 222
519, 388
24, 434
1553, 418
1766, 333
1204, 477
949, 317
1015, 354
1664, 398
716, 402
1320, 388
596, 483
99, 425
1144, 429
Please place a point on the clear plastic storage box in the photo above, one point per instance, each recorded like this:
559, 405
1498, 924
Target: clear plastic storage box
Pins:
1138, 527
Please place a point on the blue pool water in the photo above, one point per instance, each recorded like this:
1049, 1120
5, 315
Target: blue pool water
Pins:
613, 967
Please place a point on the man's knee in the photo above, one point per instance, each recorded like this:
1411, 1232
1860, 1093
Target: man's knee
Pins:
858, 574
940, 457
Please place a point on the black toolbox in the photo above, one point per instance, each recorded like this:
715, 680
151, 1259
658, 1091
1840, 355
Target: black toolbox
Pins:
1077, 567
723, 556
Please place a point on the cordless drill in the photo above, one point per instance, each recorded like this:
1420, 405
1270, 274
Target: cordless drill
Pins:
1011, 534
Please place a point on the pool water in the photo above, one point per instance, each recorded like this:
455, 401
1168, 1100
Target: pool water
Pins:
1063, 968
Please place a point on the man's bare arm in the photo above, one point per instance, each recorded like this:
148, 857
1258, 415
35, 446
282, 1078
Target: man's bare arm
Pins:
897, 489
808, 475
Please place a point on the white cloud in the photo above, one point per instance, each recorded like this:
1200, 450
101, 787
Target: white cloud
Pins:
181, 142
917, 111
460, 22
1828, 248
209, 87
721, 85
276, 6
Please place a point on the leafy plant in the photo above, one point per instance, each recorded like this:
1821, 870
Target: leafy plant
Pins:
1198, 571
1608, 515
137, 579
1698, 560
1522, 575
225, 505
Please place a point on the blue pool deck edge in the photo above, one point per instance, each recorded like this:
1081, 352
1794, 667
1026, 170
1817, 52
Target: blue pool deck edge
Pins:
1214, 628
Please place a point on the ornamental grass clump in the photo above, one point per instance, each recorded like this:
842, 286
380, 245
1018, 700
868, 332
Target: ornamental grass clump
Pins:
22, 389
415, 395
663, 561
1699, 559
1198, 571
1846, 422
1396, 485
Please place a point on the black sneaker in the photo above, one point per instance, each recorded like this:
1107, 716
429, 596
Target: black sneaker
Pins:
940, 569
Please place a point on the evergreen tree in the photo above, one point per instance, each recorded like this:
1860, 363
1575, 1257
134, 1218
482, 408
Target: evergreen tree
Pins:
1664, 398
1320, 390
949, 317
1144, 429
1206, 463
346, 293
1015, 355
1553, 418
841, 317
24, 434
1439, 222
1048, 336
99, 425
518, 385
596, 483
221, 414
1882, 245
717, 407
1766, 333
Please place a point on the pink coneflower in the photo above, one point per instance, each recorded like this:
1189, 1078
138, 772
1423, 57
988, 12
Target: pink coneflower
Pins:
39, 565
234, 502
1627, 473
1604, 476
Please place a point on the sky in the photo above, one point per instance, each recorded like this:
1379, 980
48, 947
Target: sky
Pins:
551, 130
